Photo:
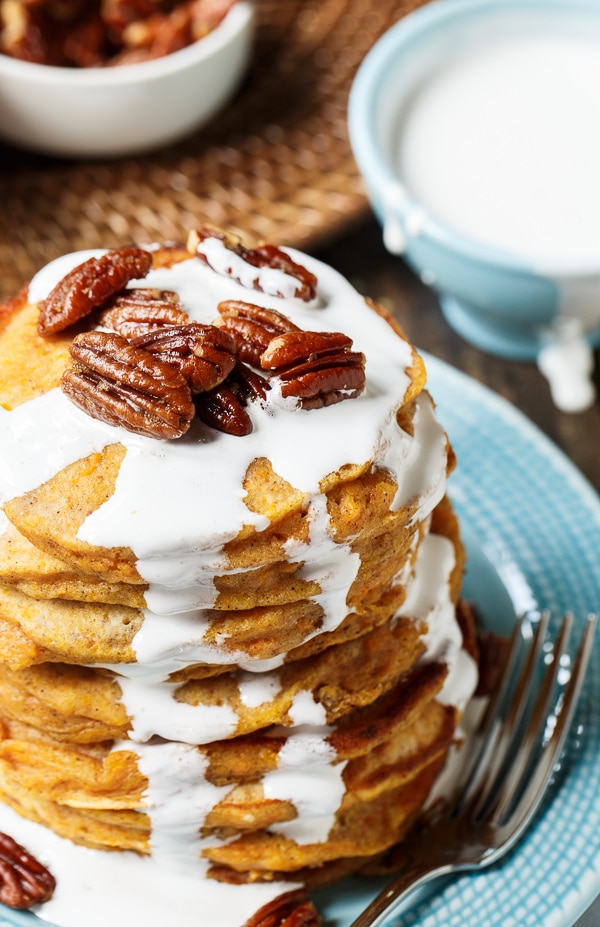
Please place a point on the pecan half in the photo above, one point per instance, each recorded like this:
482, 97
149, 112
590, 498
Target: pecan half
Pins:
89, 286
84, 44
23, 880
156, 35
119, 14
317, 367
121, 384
90, 33
292, 909
266, 255
253, 327
137, 311
29, 34
246, 384
221, 409
204, 354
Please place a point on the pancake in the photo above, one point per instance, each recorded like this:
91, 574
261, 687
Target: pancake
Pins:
101, 785
342, 677
41, 576
232, 639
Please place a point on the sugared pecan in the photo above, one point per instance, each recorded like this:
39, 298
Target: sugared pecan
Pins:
84, 44
246, 384
119, 14
223, 410
265, 256
89, 285
29, 33
204, 354
170, 253
292, 909
156, 35
90, 33
79, 33
317, 367
119, 383
207, 14
253, 327
137, 311
23, 880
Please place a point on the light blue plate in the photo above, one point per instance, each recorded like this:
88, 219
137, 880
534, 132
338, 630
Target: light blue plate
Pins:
532, 527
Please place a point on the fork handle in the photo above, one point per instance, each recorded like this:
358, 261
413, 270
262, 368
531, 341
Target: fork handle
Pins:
414, 874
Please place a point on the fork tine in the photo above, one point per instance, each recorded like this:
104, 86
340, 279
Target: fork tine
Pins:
551, 749
520, 753
526, 681
446, 844
503, 717
480, 738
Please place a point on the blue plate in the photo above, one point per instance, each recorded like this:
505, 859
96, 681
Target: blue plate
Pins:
532, 528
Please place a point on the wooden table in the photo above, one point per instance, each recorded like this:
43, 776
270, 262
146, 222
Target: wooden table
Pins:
361, 256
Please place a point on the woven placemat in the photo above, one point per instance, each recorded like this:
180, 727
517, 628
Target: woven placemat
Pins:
276, 164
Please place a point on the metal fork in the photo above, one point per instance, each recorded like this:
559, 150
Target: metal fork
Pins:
505, 768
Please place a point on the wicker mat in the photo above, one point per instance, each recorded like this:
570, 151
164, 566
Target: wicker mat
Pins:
276, 164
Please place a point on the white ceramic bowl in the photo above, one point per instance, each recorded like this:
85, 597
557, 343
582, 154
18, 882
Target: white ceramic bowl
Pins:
507, 303
125, 110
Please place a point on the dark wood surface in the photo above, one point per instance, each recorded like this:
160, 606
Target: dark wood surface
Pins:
361, 256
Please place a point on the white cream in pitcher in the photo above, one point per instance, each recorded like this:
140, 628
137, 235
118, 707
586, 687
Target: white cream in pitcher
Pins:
502, 143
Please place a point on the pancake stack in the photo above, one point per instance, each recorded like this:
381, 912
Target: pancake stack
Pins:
231, 634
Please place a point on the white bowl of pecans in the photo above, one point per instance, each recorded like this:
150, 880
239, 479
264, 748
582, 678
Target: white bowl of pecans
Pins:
111, 78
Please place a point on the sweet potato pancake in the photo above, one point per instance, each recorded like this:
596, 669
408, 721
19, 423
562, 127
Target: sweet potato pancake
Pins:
227, 561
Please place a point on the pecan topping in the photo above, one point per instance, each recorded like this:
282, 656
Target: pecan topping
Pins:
266, 255
223, 410
96, 33
317, 367
247, 384
121, 384
253, 327
89, 286
152, 35
137, 311
292, 909
23, 880
204, 354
